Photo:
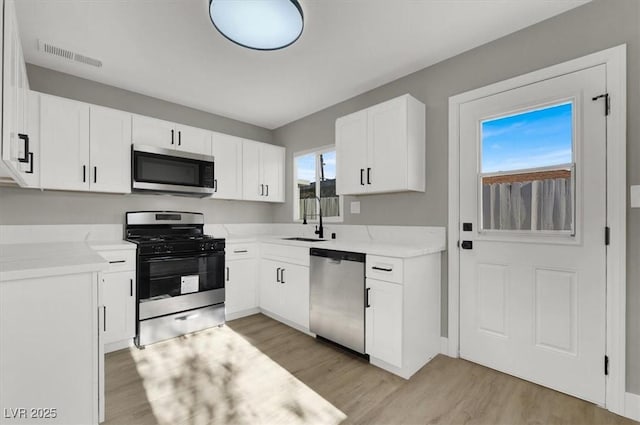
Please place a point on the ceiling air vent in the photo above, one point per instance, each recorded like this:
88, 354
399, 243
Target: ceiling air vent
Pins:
67, 54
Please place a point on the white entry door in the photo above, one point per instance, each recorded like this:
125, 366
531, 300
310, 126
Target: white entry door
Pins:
532, 226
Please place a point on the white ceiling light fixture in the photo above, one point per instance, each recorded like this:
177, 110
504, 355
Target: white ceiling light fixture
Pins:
258, 24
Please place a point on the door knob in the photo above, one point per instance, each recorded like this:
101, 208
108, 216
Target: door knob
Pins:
467, 245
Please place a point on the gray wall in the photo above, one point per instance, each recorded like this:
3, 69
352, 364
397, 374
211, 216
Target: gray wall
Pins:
29, 206
59, 84
589, 28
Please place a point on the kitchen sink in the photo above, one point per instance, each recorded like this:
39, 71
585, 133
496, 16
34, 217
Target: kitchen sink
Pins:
303, 239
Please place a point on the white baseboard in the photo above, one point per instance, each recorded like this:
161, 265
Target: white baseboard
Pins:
243, 313
632, 406
118, 345
444, 345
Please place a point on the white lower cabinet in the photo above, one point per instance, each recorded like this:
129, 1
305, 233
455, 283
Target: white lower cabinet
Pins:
51, 360
118, 290
118, 296
284, 291
402, 318
383, 317
241, 280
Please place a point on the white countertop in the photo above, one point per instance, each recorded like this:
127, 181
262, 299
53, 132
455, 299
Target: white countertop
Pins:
33, 260
400, 250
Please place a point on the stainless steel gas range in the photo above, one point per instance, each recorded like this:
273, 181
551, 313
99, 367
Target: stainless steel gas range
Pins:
180, 274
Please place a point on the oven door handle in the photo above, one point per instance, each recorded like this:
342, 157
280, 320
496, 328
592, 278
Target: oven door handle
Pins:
181, 257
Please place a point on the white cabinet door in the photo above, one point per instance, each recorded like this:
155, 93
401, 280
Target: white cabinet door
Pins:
153, 132
194, 140
387, 146
31, 169
110, 150
16, 155
64, 136
383, 321
227, 151
252, 186
270, 286
351, 152
240, 287
119, 299
272, 164
295, 285
49, 355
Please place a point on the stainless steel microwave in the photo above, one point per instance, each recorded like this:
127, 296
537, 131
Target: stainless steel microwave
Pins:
161, 170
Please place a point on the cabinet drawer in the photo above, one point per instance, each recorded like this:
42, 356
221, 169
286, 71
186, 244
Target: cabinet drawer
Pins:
119, 261
238, 251
287, 253
388, 269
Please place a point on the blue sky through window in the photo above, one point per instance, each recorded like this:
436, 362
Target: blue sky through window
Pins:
306, 166
532, 139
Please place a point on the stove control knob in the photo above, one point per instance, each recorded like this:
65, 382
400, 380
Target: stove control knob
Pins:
203, 246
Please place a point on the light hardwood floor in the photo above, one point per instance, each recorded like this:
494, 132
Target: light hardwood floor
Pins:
446, 391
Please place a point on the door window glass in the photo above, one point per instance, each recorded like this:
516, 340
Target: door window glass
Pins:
528, 172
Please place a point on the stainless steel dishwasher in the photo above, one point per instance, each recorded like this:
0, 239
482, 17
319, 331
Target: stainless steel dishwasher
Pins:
337, 297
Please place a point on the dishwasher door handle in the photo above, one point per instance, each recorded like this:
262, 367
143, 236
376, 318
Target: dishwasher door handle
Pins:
366, 297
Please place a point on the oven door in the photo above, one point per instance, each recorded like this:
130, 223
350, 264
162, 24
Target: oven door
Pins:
164, 170
177, 282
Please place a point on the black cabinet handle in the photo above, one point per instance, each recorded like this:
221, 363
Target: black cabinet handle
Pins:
131, 287
261, 190
228, 274
104, 318
95, 174
467, 245
368, 175
84, 174
382, 269
282, 276
24, 137
267, 186
179, 138
366, 295
239, 251
117, 261
215, 185
172, 136
362, 176
30, 164
278, 275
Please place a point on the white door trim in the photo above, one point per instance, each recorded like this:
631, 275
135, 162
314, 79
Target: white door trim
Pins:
615, 60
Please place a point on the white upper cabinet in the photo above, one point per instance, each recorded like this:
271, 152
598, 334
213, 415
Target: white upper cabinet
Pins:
382, 148
272, 163
351, 151
110, 150
227, 151
64, 135
169, 135
192, 139
153, 132
17, 157
263, 172
84, 147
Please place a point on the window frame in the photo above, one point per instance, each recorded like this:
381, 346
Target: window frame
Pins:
296, 194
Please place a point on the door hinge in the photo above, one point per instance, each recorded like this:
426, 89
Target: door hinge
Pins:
607, 102
607, 235
606, 365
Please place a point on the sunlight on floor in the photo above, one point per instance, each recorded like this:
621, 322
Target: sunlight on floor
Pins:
217, 377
